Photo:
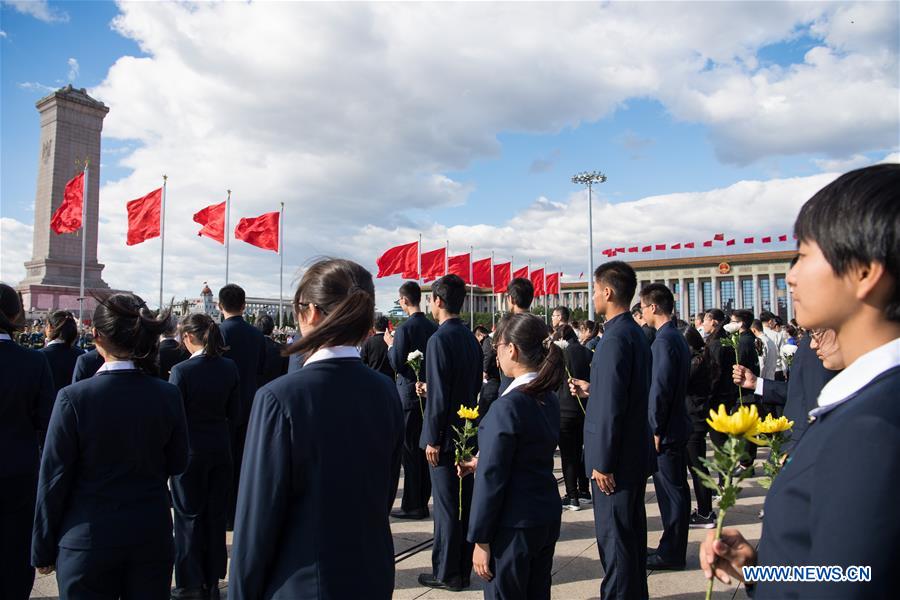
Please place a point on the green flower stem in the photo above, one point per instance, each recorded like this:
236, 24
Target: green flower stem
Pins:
421, 406
719, 521
734, 457
580, 404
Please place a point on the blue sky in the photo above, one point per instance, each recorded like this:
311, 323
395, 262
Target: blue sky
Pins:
667, 127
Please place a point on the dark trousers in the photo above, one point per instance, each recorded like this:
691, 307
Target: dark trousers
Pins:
696, 449
571, 454
490, 391
200, 497
674, 498
238, 435
521, 561
138, 572
451, 554
16, 518
620, 522
416, 479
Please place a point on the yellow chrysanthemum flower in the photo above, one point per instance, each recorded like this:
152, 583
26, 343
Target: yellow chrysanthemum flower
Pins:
468, 413
770, 425
744, 422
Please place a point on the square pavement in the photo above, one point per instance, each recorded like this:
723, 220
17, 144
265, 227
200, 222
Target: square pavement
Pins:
576, 565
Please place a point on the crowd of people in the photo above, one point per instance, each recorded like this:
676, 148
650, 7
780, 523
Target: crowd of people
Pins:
134, 458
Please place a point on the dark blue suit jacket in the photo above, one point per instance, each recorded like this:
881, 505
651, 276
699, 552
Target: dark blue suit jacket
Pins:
86, 365
454, 379
834, 503
247, 348
114, 441
211, 391
294, 536
276, 364
514, 482
617, 436
61, 358
668, 386
171, 352
413, 334
26, 399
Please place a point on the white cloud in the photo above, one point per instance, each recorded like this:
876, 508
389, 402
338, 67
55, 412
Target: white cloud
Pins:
73, 69
842, 164
2, 34
40, 10
15, 249
34, 86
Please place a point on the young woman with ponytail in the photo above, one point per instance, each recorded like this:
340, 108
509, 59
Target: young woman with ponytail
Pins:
61, 333
26, 397
323, 436
102, 517
210, 388
515, 516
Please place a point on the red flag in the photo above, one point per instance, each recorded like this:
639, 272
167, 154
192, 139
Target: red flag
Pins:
523, 273
620, 250
537, 280
748, 240
676, 246
459, 265
689, 244
580, 275
633, 249
553, 283
660, 246
434, 263
213, 220
481, 273
767, 239
608, 252
67, 217
782, 238
646, 248
707, 244
730, 242
143, 217
262, 232
396, 261
719, 237
502, 277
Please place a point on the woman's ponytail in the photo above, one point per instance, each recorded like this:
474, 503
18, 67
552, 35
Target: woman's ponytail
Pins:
131, 330
206, 331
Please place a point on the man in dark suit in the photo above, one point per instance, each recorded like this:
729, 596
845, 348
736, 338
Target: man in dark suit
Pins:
519, 296
618, 446
454, 379
490, 386
748, 357
374, 351
276, 364
412, 335
171, 352
86, 365
670, 426
247, 348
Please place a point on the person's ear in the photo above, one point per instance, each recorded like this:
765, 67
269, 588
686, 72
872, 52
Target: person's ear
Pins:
872, 283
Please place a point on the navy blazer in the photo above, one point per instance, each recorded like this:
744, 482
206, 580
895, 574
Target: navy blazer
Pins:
171, 352
247, 348
374, 354
834, 503
413, 334
514, 483
801, 392
114, 440
61, 358
294, 536
578, 362
668, 386
617, 436
26, 399
211, 391
86, 365
276, 364
454, 380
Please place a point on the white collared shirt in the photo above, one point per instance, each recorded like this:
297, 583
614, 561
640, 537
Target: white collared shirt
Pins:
333, 352
520, 381
199, 352
864, 369
56, 341
4, 337
116, 365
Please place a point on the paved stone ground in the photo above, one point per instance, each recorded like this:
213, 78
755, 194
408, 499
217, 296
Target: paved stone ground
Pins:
576, 567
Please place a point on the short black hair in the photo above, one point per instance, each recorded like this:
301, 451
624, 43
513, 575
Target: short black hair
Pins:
660, 295
715, 314
266, 324
232, 298
618, 276
452, 290
744, 316
381, 323
564, 313
521, 292
855, 220
766, 316
636, 310
481, 329
756, 324
412, 292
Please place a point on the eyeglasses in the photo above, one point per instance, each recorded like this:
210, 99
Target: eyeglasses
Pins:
305, 305
498, 344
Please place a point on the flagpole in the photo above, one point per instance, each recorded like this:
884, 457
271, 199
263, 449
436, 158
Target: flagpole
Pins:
84, 203
162, 241
546, 303
493, 294
281, 267
472, 294
512, 270
228, 233
447, 258
419, 272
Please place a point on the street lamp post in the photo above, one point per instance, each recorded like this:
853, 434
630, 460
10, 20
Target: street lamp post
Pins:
589, 178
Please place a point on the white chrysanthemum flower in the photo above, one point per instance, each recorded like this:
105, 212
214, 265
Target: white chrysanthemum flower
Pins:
732, 327
563, 344
788, 350
414, 355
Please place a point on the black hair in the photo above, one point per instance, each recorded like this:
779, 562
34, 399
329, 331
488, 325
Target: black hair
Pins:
636, 310
381, 323
129, 329
232, 298
343, 291
521, 292
63, 326
265, 323
11, 317
694, 339
564, 332
766, 316
591, 326
202, 327
744, 316
620, 278
564, 313
717, 315
481, 329
412, 292
757, 324
660, 295
452, 290
529, 334
855, 220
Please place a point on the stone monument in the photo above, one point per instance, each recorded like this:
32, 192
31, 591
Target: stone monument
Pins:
71, 122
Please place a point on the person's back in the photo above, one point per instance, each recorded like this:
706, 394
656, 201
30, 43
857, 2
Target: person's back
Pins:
210, 388
374, 354
170, 354
26, 399
61, 358
276, 364
247, 348
87, 365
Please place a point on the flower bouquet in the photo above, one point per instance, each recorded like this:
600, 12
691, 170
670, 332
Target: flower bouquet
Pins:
773, 433
787, 354
462, 441
414, 361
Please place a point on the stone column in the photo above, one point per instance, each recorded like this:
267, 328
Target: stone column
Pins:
773, 294
717, 295
685, 300
757, 302
738, 296
698, 295
790, 300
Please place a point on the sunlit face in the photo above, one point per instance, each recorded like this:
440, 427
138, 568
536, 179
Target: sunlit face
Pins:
825, 343
601, 297
822, 299
505, 356
709, 324
555, 319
